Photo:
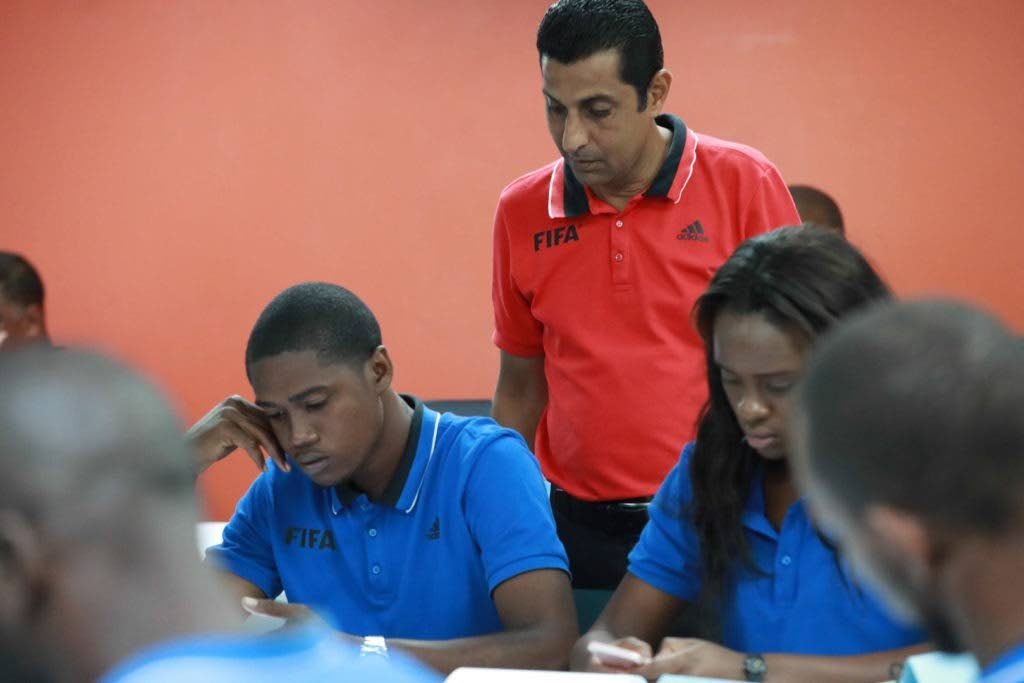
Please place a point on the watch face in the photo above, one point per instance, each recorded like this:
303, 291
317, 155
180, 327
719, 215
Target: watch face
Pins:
754, 667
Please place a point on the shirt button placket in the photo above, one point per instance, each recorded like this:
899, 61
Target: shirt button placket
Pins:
787, 579
373, 553
619, 249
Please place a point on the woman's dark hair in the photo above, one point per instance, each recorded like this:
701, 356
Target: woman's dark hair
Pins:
801, 279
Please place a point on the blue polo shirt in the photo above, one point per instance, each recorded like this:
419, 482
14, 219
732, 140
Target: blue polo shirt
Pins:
806, 603
465, 511
1008, 668
305, 653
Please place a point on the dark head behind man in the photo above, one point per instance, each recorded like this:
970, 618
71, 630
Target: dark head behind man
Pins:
800, 280
22, 313
815, 206
915, 465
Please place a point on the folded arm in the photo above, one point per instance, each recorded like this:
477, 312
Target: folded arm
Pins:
639, 616
696, 657
537, 611
636, 614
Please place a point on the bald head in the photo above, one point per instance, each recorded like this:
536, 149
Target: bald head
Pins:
920, 406
97, 517
85, 444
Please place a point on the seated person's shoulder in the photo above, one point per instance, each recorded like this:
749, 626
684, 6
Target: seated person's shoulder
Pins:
478, 460
676, 491
471, 439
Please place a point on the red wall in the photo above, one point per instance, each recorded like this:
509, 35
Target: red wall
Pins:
170, 166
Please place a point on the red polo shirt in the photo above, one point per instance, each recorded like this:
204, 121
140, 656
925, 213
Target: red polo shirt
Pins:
605, 296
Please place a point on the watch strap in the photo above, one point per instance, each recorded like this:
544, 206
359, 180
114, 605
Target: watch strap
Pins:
374, 645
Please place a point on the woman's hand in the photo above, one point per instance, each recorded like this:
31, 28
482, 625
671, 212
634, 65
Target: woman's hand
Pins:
693, 657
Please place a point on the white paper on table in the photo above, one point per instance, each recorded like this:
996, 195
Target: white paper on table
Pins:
473, 675
676, 678
939, 667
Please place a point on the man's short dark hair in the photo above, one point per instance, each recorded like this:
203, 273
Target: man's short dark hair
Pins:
572, 30
19, 282
315, 316
918, 406
812, 200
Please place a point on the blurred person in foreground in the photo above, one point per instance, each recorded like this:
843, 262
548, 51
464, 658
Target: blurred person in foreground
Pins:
99, 577
916, 468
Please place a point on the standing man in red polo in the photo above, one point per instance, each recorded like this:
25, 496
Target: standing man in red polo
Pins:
598, 258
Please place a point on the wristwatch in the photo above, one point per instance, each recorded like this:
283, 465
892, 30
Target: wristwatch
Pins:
754, 667
374, 645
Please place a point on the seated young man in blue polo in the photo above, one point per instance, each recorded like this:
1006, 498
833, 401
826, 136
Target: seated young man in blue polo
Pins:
383, 516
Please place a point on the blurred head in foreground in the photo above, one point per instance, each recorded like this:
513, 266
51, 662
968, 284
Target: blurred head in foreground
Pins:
910, 445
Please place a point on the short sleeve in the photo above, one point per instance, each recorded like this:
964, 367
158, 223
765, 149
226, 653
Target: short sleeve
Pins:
508, 512
516, 331
667, 556
771, 206
247, 549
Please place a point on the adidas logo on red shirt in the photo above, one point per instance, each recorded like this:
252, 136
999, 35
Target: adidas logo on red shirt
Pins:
693, 232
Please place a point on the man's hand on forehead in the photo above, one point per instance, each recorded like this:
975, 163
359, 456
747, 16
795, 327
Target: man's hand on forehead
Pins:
232, 424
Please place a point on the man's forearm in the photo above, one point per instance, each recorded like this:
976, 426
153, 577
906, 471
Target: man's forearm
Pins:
520, 395
521, 413
238, 588
877, 666
535, 648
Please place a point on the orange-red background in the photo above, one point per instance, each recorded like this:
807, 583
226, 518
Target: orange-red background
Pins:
170, 166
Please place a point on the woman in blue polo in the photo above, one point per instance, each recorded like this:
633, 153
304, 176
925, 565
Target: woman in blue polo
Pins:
730, 545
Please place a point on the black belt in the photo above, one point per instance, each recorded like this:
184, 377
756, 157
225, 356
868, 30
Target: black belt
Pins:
612, 515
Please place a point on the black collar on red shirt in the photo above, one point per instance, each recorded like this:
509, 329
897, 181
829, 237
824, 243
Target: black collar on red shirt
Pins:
576, 202
348, 493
